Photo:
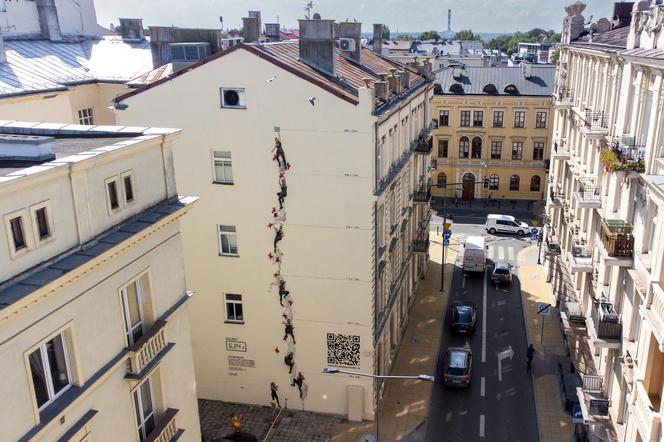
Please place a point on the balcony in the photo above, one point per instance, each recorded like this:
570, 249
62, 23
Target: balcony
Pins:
423, 195
648, 418
625, 155
617, 242
424, 145
552, 243
654, 312
580, 259
147, 348
604, 325
423, 227
560, 150
596, 124
594, 405
564, 98
165, 430
589, 196
421, 245
556, 198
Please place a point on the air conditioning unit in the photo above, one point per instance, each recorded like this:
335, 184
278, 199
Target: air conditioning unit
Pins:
232, 98
347, 44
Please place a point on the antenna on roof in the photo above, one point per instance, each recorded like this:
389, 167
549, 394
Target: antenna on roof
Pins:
308, 8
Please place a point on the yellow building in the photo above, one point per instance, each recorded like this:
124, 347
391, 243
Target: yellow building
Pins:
493, 131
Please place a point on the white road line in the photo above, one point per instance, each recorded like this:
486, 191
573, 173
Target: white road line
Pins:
463, 283
492, 252
484, 321
510, 254
481, 425
482, 386
501, 253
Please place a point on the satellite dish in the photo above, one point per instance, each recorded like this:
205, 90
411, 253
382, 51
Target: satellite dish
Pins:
316, 16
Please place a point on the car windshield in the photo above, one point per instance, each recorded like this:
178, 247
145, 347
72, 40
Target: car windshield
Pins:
457, 365
464, 314
520, 222
501, 271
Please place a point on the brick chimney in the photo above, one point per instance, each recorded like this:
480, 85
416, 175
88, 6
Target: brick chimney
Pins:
352, 30
378, 38
250, 29
317, 45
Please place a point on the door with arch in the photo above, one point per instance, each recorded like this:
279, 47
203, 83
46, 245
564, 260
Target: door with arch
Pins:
468, 186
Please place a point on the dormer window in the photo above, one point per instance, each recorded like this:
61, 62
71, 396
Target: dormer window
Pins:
511, 89
456, 88
490, 89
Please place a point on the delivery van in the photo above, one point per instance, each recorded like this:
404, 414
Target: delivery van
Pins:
474, 255
505, 224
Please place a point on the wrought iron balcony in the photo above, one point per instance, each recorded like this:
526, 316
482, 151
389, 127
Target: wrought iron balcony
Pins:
421, 245
564, 98
596, 124
424, 145
594, 404
556, 198
605, 324
423, 195
588, 195
560, 150
165, 430
649, 418
624, 154
146, 349
617, 239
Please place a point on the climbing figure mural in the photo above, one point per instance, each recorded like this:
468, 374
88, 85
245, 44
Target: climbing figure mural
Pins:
277, 224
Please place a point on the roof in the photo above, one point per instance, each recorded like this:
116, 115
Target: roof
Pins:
42, 65
161, 72
657, 54
613, 39
286, 55
474, 79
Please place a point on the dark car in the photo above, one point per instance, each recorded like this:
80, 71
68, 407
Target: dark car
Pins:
463, 316
502, 273
457, 367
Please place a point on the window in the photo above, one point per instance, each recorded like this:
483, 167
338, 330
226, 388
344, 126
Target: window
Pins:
498, 117
535, 183
18, 233
477, 148
442, 180
112, 194
517, 150
444, 118
442, 148
519, 119
41, 220
538, 151
128, 186
540, 120
494, 182
223, 168
478, 118
464, 144
465, 118
496, 148
50, 371
232, 98
227, 241
86, 117
132, 308
514, 182
144, 410
234, 308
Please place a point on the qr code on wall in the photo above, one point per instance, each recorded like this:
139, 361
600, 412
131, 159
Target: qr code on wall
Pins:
343, 350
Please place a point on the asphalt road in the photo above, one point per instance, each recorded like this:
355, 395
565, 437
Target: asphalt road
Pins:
490, 409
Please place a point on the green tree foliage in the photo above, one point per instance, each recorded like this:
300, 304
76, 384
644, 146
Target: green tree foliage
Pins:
500, 43
407, 37
385, 32
466, 34
429, 35
555, 56
510, 43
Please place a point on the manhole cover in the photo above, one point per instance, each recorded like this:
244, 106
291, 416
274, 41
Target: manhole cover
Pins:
415, 339
367, 437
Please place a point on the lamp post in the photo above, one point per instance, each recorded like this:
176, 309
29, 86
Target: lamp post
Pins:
442, 269
378, 380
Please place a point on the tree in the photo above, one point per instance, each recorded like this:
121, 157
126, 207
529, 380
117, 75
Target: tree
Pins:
406, 37
499, 43
429, 35
554, 37
554, 56
466, 34
385, 32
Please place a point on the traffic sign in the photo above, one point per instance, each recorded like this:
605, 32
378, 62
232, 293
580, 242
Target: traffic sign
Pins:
447, 234
577, 414
543, 308
446, 226
446, 241
533, 234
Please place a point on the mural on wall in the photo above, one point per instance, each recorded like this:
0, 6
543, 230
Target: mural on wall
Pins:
279, 284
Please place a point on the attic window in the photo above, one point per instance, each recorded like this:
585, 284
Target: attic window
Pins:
511, 89
437, 89
490, 89
456, 88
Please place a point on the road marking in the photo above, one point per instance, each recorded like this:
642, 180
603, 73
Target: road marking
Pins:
510, 254
490, 253
484, 321
481, 425
482, 386
501, 254
463, 284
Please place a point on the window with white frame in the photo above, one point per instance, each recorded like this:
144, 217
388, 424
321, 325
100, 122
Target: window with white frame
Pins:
49, 369
42, 222
132, 310
227, 241
128, 186
18, 235
112, 194
144, 410
85, 116
234, 311
223, 167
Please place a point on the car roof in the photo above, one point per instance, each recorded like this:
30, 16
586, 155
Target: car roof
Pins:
501, 265
501, 217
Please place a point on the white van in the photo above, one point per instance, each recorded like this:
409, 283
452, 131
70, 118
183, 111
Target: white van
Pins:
506, 224
474, 255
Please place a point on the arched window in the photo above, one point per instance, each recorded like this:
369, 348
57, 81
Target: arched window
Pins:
456, 88
535, 183
477, 148
490, 89
464, 145
514, 182
494, 182
437, 89
442, 180
511, 89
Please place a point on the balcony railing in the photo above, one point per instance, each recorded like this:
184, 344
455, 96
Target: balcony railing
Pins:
649, 419
606, 321
423, 195
560, 150
421, 245
424, 145
588, 195
596, 124
564, 97
616, 236
581, 259
147, 347
624, 154
165, 429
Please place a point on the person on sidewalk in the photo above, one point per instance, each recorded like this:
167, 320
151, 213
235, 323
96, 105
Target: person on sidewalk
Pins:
273, 394
529, 356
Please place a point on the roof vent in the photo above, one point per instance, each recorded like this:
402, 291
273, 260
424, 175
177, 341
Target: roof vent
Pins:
131, 29
527, 69
272, 32
26, 148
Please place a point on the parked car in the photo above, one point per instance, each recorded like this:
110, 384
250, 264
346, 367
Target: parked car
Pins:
457, 367
463, 316
502, 273
505, 224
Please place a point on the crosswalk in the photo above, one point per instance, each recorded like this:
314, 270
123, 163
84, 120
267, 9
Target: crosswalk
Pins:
498, 250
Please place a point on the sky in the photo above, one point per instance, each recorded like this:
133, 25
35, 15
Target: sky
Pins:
399, 15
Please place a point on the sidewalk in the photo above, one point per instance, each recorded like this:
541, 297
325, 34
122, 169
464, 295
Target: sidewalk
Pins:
404, 405
554, 423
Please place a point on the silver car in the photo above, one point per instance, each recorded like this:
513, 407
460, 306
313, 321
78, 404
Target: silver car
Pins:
457, 367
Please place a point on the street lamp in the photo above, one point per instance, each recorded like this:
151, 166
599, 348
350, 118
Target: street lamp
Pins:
379, 381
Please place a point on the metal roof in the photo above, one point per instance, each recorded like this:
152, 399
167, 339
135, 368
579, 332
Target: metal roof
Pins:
42, 65
474, 79
613, 39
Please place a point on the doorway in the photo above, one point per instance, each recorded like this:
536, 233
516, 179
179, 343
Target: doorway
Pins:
468, 187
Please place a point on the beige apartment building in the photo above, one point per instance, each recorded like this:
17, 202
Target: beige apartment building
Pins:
312, 165
604, 204
95, 339
494, 126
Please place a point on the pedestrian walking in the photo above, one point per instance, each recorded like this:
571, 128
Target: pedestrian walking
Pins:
274, 395
235, 421
288, 330
299, 380
529, 356
289, 360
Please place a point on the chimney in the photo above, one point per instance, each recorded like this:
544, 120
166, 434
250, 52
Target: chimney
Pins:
272, 32
48, 20
352, 30
449, 20
527, 69
380, 89
3, 54
250, 29
404, 78
378, 38
394, 81
257, 16
131, 29
317, 44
